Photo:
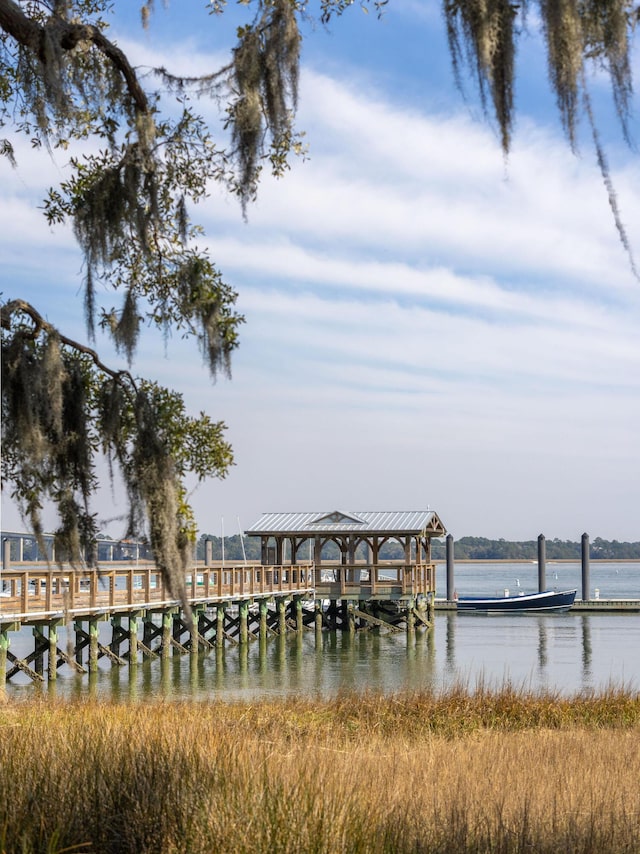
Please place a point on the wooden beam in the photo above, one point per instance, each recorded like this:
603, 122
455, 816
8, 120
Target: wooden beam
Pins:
177, 645
420, 616
376, 621
21, 664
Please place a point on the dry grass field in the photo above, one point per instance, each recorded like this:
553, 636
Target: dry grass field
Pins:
484, 771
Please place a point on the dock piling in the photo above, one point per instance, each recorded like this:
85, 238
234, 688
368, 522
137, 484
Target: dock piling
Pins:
133, 638
53, 651
93, 646
4, 648
450, 567
542, 563
586, 594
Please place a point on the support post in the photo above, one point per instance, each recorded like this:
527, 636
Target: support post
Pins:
93, 646
53, 652
220, 611
318, 619
299, 620
133, 638
586, 568
351, 617
6, 553
542, 564
116, 635
79, 639
195, 641
148, 631
167, 620
450, 567
282, 616
264, 607
208, 552
243, 613
4, 649
411, 618
39, 642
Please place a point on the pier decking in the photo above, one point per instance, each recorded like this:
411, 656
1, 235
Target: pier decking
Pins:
230, 604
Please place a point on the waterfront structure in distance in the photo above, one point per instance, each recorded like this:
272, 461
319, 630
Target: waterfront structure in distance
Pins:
355, 590
230, 602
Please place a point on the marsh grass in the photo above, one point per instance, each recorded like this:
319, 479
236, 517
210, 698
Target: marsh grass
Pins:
485, 771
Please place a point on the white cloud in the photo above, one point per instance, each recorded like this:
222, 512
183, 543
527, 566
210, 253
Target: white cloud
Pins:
425, 324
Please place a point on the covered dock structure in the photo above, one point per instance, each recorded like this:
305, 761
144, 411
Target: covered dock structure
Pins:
350, 573
329, 570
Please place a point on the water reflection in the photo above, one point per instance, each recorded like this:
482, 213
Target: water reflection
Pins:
450, 639
542, 645
567, 652
586, 648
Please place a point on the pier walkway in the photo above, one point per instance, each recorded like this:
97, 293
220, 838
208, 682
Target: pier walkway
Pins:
229, 604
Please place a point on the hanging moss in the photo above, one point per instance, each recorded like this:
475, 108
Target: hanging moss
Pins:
578, 33
61, 406
265, 85
482, 33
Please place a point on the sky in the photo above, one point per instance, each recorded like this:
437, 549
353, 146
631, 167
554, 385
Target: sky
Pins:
428, 325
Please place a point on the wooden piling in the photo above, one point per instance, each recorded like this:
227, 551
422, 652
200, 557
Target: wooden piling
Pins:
79, 649
167, 620
4, 649
193, 633
586, 592
53, 652
116, 634
133, 637
542, 564
431, 608
282, 616
299, 620
93, 645
411, 618
318, 619
264, 608
351, 616
450, 567
243, 613
40, 645
220, 612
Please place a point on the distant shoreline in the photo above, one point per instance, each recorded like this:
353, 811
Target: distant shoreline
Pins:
535, 562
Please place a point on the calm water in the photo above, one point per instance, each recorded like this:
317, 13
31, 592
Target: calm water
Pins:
566, 652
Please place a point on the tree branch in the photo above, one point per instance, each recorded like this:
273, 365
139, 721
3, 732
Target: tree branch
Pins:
30, 35
18, 306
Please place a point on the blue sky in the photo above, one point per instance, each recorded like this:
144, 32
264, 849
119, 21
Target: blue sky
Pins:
427, 324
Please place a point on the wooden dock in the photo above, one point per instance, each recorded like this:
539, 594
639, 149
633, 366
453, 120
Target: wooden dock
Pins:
230, 604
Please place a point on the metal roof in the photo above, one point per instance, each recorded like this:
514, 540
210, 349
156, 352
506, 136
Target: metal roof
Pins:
346, 522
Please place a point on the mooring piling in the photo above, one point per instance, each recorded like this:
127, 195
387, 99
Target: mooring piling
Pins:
450, 565
586, 593
542, 563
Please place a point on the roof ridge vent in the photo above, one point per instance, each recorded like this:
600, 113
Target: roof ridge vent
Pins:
337, 516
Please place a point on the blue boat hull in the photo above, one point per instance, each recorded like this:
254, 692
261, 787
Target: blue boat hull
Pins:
549, 600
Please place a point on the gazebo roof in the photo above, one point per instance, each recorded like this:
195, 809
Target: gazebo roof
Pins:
332, 522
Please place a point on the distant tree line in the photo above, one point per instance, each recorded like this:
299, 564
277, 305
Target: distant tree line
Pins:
466, 548
481, 548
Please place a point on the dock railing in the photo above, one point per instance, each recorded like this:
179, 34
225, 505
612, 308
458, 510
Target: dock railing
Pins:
375, 580
31, 592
